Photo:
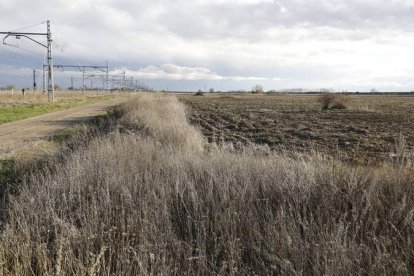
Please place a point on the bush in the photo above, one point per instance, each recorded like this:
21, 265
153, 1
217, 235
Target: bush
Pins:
333, 101
339, 105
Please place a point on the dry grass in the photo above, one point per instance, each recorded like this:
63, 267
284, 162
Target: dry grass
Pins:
7, 99
333, 101
18, 107
148, 200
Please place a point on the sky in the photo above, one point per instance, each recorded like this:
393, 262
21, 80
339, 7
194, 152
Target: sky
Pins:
183, 45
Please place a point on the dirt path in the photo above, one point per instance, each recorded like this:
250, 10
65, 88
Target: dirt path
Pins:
23, 135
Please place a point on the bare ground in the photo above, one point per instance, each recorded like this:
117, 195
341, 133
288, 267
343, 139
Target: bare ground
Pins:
24, 135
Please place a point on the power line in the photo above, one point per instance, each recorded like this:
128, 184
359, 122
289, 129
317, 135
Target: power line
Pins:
85, 74
32, 36
30, 26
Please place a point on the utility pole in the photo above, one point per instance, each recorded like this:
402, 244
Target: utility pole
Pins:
71, 83
44, 77
34, 80
48, 46
107, 75
50, 84
85, 75
83, 80
124, 81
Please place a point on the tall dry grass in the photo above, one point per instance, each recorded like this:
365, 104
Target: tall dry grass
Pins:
148, 200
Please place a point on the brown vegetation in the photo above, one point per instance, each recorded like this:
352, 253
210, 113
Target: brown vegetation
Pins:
7, 99
333, 101
199, 94
153, 198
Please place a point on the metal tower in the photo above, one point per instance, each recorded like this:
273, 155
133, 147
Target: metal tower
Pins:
48, 46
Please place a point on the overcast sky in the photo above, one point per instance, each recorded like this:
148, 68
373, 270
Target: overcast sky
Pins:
222, 44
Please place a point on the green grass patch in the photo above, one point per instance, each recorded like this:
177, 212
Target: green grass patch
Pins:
11, 114
80, 134
83, 129
6, 171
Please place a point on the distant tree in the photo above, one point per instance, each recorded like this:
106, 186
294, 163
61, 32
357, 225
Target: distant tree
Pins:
211, 90
326, 90
10, 87
56, 87
257, 89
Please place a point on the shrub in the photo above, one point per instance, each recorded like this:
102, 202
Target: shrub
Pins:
339, 105
333, 101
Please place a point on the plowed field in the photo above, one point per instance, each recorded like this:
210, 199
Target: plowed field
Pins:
372, 129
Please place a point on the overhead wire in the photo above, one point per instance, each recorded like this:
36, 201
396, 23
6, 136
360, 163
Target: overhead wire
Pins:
24, 28
33, 53
26, 62
55, 44
28, 27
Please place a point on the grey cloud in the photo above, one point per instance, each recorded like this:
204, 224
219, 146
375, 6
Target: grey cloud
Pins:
176, 72
289, 39
249, 22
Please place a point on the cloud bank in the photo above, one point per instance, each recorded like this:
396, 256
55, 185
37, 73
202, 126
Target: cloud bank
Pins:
176, 72
347, 44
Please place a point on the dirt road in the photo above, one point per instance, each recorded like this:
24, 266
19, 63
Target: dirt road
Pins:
24, 135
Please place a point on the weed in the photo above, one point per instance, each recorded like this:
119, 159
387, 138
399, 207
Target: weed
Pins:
333, 101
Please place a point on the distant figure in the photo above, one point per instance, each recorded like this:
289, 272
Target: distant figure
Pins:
23, 91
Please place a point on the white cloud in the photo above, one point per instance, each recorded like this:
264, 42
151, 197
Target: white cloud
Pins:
176, 72
234, 2
289, 42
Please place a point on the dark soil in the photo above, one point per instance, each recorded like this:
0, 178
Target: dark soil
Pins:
368, 131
